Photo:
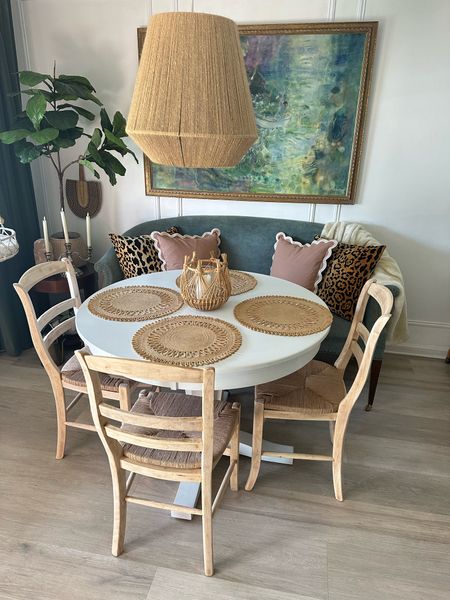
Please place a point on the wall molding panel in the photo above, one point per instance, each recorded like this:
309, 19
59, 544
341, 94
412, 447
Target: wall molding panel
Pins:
426, 338
361, 10
331, 10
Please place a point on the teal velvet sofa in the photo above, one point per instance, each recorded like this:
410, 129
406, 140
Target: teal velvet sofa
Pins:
248, 242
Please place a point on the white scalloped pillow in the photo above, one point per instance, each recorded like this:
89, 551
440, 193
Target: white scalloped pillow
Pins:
172, 248
301, 263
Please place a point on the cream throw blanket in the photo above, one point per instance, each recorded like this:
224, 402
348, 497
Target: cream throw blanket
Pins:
386, 272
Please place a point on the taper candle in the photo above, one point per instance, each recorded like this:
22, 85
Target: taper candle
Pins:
64, 225
46, 238
88, 230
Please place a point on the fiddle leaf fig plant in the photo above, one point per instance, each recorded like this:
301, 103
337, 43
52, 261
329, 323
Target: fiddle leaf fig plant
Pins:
50, 124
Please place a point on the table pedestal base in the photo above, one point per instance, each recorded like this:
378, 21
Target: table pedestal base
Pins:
188, 493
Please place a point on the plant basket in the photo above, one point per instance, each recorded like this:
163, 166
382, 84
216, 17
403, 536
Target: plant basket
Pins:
9, 246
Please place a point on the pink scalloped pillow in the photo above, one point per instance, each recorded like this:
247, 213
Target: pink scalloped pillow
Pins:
301, 263
172, 248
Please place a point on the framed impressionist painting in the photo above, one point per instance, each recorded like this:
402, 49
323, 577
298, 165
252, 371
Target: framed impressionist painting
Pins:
309, 84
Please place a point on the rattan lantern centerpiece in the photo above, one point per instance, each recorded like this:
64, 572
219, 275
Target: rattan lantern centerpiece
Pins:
205, 283
191, 105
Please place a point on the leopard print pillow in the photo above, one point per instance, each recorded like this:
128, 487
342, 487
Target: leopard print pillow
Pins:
137, 255
347, 271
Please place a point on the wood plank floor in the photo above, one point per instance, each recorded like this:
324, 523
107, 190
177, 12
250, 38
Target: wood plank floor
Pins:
288, 539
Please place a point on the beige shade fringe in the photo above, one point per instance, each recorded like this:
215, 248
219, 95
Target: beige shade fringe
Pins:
283, 315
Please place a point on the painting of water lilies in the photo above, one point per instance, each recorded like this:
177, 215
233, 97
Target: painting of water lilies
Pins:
309, 86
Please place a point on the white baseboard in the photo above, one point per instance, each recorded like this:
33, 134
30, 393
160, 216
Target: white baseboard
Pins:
426, 338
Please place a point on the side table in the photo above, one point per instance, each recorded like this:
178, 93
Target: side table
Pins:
87, 282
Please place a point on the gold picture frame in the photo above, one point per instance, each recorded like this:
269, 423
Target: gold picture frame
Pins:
310, 88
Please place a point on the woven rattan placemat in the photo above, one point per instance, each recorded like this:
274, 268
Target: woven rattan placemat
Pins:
187, 341
135, 303
240, 282
283, 315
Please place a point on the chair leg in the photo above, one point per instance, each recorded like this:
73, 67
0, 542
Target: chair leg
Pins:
337, 478
61, 417
258, 425
234, 454
120, 508
208, 553
338, 445
124, 397
373, 382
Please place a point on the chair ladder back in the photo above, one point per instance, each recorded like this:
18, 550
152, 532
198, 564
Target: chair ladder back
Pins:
36, 335
364, 357
154, 442
363, 332
58, 331
143, 370
151, 421
56, 311
366, 362
139, 369
351, 345
42, 342
357, 352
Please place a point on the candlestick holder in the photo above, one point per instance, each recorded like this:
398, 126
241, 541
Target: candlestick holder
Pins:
69, 256
79, 247
84, 258
48, 256
68, 247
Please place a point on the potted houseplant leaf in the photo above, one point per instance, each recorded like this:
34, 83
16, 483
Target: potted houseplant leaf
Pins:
50, 124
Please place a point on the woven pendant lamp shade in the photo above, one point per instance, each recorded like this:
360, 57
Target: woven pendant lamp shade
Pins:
191, 105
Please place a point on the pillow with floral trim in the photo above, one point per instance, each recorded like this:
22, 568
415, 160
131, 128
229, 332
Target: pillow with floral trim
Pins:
137, 255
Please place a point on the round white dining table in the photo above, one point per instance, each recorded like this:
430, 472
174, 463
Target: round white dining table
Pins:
261, 357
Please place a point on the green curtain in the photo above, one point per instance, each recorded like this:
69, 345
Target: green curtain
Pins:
17, 202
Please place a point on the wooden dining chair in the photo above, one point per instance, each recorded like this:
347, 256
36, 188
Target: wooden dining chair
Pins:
166, 435
70, 376
317, 392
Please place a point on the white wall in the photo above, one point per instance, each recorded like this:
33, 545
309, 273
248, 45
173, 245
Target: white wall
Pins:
404, 181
